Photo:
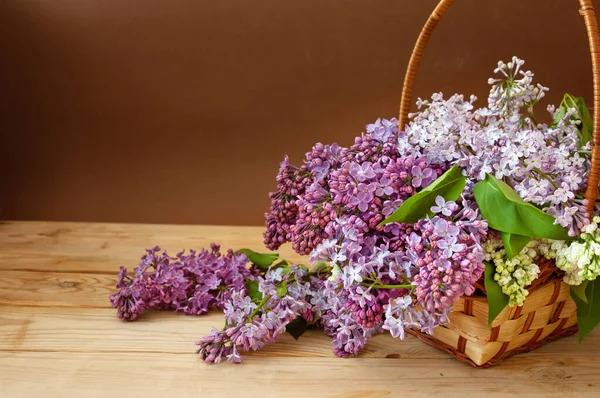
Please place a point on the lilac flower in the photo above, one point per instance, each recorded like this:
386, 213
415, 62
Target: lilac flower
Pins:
442, 264
352, 275
419, 175
444, 229
446, 208
276, 274
337, 257
390, 206
384, 188
362, 172
450, 246
382, 129
363, 197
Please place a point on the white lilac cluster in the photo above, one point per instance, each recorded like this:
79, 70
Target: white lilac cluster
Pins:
516, 274
580, 259
542, 163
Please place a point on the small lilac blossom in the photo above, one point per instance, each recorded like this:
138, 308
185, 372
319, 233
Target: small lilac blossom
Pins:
450, 246
441, 206
420, 175
444, 229
364, 196
362, 172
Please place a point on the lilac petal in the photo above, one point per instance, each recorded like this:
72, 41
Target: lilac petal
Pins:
453, 230
440, 201
447, 212
442, 244
458, 247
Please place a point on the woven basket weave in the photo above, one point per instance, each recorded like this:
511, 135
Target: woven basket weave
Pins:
548, 313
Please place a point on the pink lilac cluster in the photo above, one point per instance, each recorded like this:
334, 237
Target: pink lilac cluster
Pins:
191, 283
448, 251
540, 162
370, 179
250, 324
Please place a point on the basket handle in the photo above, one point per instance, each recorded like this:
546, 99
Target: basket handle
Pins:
591, 24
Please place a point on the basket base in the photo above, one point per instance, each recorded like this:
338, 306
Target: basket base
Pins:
432, 341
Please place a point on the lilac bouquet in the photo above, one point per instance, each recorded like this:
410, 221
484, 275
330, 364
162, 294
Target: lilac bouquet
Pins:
398, 227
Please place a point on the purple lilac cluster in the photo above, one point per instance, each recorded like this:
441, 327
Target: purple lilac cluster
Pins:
370, 179
191, 283
415, 272
250, 324
399, 276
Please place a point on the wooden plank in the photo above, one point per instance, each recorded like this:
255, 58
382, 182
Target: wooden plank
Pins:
55, 289
101, 248
98, 330
148, 374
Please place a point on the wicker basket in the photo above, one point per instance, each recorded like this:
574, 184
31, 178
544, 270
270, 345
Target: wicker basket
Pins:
548, 313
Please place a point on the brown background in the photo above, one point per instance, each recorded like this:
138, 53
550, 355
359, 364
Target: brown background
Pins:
180, 111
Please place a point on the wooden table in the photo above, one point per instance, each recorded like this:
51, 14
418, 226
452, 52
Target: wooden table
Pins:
60, 338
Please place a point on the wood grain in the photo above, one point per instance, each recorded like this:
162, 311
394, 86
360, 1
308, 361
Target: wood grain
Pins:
102, 248
141, 374
58, 336
56, 289
98, 330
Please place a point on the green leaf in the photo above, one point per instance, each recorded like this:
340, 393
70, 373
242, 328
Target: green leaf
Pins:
497, 300
506, 211
297, 327
586, 127
579, 291
562, 110
514, 243
252, 291
281, 289
261, 260
588, 314
587, 123
449, 185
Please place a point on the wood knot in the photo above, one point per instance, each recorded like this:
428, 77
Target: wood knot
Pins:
549, 374
68, 284
55, 233
393, 356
